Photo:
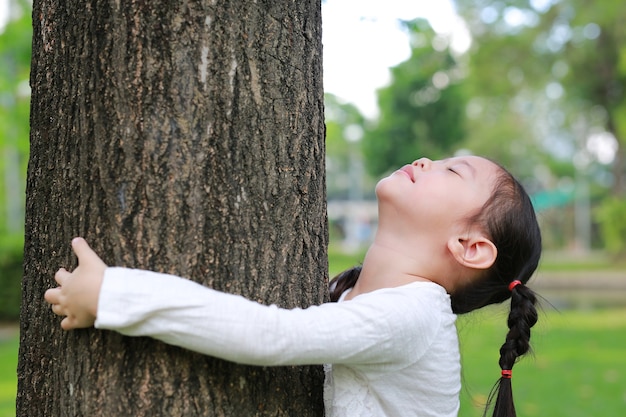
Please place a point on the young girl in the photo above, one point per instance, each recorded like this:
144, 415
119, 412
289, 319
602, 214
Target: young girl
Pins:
453, 236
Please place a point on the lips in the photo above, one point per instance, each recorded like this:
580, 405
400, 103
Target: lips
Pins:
408, 170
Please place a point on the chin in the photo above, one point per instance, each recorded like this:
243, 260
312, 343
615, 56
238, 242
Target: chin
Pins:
388, 187
381, 187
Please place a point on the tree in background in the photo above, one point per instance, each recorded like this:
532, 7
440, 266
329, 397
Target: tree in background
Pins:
184, 137
558, 68
344, 130
15, 39
422, 109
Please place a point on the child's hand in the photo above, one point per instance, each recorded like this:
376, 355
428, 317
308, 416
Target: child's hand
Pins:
76, 297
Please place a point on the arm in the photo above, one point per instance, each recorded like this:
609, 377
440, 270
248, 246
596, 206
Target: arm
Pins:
183, 313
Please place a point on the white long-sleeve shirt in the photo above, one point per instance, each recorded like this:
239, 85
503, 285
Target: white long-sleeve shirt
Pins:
392, 352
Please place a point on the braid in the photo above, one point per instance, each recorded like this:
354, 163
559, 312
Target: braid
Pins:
522, 317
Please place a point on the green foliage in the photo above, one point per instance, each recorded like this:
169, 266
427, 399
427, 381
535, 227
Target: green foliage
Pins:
523, 49
611, 216
11, 258
15, 53
543, 78
344, 127
339, 115
421, 111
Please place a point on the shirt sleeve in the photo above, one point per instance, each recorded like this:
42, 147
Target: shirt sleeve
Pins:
374, 329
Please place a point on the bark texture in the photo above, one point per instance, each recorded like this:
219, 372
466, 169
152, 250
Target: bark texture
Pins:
182, 137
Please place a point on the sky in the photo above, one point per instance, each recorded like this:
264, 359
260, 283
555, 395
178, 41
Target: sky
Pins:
4, 11
362, 39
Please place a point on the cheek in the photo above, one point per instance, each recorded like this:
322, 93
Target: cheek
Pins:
432, 214
427, 210
442, 208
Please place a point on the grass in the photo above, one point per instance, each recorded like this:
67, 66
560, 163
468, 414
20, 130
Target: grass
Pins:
339, 261
578, 368
8, 374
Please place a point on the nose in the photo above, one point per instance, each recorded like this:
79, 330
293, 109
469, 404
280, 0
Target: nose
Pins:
422, 163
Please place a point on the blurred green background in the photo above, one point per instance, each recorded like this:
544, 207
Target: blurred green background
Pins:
541, 89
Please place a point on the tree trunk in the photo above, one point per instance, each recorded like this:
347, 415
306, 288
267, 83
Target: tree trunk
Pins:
182, 137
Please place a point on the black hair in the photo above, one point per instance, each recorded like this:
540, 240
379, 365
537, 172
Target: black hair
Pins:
509, 220
343, 282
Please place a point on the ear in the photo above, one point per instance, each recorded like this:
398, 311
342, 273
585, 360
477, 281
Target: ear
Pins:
473, 251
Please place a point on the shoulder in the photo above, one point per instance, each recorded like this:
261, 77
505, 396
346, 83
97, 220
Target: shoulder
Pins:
414, 294
416, 307
408, 319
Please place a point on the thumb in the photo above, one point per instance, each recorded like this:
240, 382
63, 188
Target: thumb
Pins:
83, 251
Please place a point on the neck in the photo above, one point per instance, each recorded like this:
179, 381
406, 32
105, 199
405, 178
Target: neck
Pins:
384, 266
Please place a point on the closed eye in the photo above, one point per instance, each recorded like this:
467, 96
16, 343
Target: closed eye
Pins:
452, 170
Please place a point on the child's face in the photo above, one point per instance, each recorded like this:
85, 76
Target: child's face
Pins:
437, 194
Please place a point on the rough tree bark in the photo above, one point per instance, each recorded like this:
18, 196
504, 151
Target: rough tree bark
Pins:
177, 136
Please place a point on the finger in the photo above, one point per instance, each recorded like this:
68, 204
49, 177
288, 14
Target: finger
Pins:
69, 323
66, 323
61, 275
82, 250
57, 309
52, 295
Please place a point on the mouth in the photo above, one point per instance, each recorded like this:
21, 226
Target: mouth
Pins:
408, 171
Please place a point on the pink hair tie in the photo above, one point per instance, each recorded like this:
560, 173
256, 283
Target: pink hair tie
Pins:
507, 373
514, 284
